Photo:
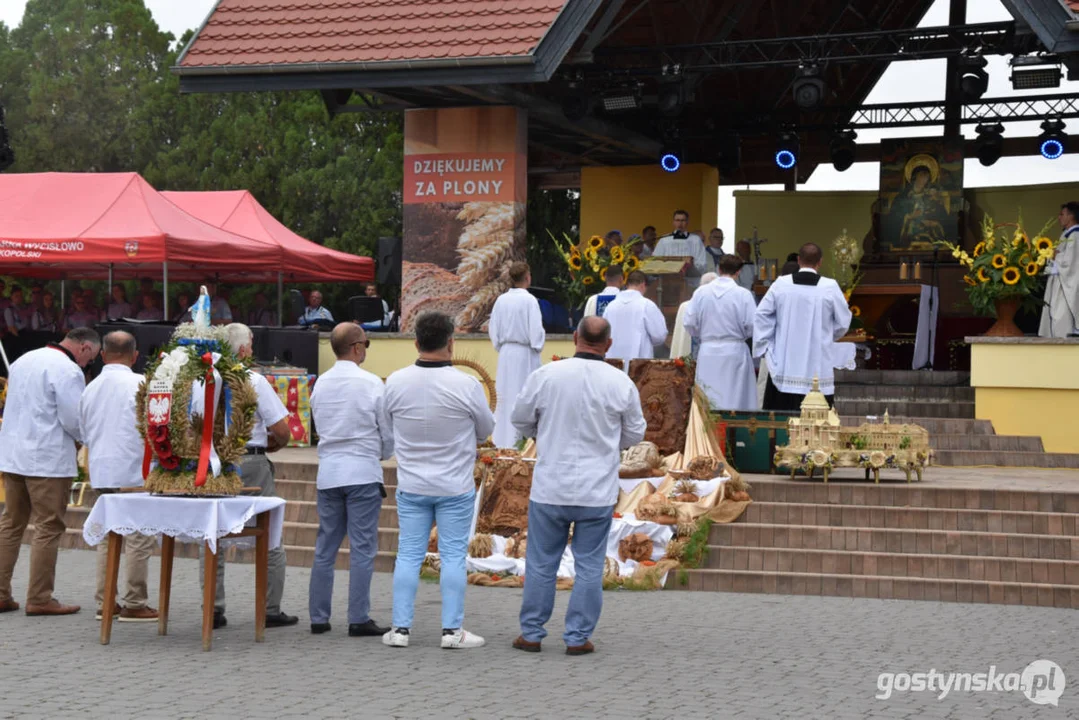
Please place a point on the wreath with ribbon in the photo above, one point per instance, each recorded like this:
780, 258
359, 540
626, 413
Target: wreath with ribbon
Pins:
196, 412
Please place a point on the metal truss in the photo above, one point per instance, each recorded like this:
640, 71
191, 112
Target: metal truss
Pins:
996, 38
986, 110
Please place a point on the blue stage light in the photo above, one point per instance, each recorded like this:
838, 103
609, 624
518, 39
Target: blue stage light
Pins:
1052, 149
1052, 143
787, 150
785, 159
670, 162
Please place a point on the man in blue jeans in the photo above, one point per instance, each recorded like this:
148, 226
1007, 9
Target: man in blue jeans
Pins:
437, 415
582, 412
347, 406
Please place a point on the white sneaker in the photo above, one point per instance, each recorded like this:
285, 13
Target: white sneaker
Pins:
395, 638
461, 638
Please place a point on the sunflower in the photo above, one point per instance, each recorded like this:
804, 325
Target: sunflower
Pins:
617, 255
1011, 276
575, 262
979, 249
1020, 238
632, 263
587, 280
595, 242
982, 275
575, 251
1032, 268
590, 254
855, 311
999, 261
1043, 244
970, 281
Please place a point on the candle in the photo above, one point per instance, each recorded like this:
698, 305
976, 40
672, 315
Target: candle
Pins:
918, 270
903, 270
762, 274
772, 270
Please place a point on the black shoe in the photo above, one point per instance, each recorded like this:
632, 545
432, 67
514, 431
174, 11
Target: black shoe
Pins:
219, 620
281, 620
319, 628
367, 629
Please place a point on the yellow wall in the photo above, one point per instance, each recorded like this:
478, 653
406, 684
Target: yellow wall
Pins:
1028, 389
789, 219
629, 198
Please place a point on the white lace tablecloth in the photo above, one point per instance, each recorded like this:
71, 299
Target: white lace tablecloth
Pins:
186, 519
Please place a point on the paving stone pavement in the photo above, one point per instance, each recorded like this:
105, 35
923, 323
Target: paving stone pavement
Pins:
660, 655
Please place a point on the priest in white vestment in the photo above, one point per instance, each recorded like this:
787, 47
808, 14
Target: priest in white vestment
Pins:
516, 330
613, 276
1060, 316
637, 324
682, 344
794, 328
683, 244
721, 315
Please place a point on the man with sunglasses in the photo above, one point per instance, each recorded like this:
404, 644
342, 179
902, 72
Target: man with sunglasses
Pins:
37, 458
347, 406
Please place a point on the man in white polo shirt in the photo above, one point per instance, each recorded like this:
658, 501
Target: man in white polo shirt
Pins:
108, 424
437, 415
37, 458
270, 434
582, 412
347, 407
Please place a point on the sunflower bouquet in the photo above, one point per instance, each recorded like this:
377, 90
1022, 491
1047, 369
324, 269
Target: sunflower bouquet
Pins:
1005, 264
587, 262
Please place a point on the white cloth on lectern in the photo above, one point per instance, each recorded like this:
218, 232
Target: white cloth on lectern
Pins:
690, 246
925, 337
516, 330
637, 326
721, 315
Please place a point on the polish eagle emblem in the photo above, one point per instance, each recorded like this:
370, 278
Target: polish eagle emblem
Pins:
158, 408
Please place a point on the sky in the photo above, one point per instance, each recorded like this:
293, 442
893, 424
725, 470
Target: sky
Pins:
914, 81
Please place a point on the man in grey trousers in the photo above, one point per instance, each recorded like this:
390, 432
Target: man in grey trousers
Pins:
347, 409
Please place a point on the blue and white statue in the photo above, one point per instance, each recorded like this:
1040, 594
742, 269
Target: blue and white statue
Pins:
200, 311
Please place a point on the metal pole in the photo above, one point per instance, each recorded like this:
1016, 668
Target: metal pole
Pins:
109, 291
280, 298
165, 292
63, 295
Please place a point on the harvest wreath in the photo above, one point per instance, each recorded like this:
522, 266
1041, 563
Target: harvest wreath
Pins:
194, 448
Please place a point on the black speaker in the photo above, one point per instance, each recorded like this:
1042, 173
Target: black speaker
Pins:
149, 340
292, 346
389, 261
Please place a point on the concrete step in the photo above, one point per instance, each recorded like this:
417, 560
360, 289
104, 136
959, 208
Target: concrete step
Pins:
896, 540
893, 393
878, 586
914, 495
953, 567
935, 426
906, 408
905, 378
987, 443
913, 518
977, 458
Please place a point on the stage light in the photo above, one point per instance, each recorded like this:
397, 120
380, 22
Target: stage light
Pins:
622, 99
670, 161
1053, 142
787, 151
672, 98
1035, 72
990, 143
808, 87
842, 149
972, 78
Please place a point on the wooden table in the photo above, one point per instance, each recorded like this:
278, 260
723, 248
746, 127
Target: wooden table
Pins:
261, 533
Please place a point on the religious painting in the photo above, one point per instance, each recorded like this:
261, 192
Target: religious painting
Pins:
921, 194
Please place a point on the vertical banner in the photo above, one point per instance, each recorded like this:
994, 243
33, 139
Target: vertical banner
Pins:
465, 183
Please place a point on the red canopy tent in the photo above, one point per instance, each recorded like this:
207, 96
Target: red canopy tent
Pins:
239, 212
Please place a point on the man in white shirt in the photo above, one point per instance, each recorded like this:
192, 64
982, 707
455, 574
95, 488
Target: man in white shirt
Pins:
748, 274
314, 313
371, 291
582, 412
37, 458
437, 415
516, 330
637, 324
683, 244
347, 406
682, 344
109, 431
614, 278
794, 328
720, 315
1060, 315
270, 434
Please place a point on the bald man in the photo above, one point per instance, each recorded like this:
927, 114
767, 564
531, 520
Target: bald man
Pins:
347, 406
108, 425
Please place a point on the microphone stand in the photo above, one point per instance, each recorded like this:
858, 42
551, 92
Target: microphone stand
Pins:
933, 293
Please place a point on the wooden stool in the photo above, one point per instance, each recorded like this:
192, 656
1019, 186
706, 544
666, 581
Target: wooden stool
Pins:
261, 533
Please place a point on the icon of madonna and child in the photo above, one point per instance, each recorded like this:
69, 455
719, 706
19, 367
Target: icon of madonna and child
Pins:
921, 194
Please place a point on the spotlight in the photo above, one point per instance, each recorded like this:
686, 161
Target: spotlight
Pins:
842, 149
808, 87
1053, 142
990, 143
972, 78
670, 161
1035, 72
622, 99
787, 151
672, 98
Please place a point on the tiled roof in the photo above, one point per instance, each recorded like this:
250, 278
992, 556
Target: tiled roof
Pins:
269, 32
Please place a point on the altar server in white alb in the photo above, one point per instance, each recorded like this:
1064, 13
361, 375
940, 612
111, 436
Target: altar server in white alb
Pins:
682, 344
1060, 316
721, 316
637, 324
582, 412
37, 458
109, 430
347, 406
614, 278
516, 330
794, 328
683, 244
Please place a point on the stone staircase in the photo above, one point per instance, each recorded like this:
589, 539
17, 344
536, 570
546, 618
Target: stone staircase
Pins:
898, 541
943, 403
